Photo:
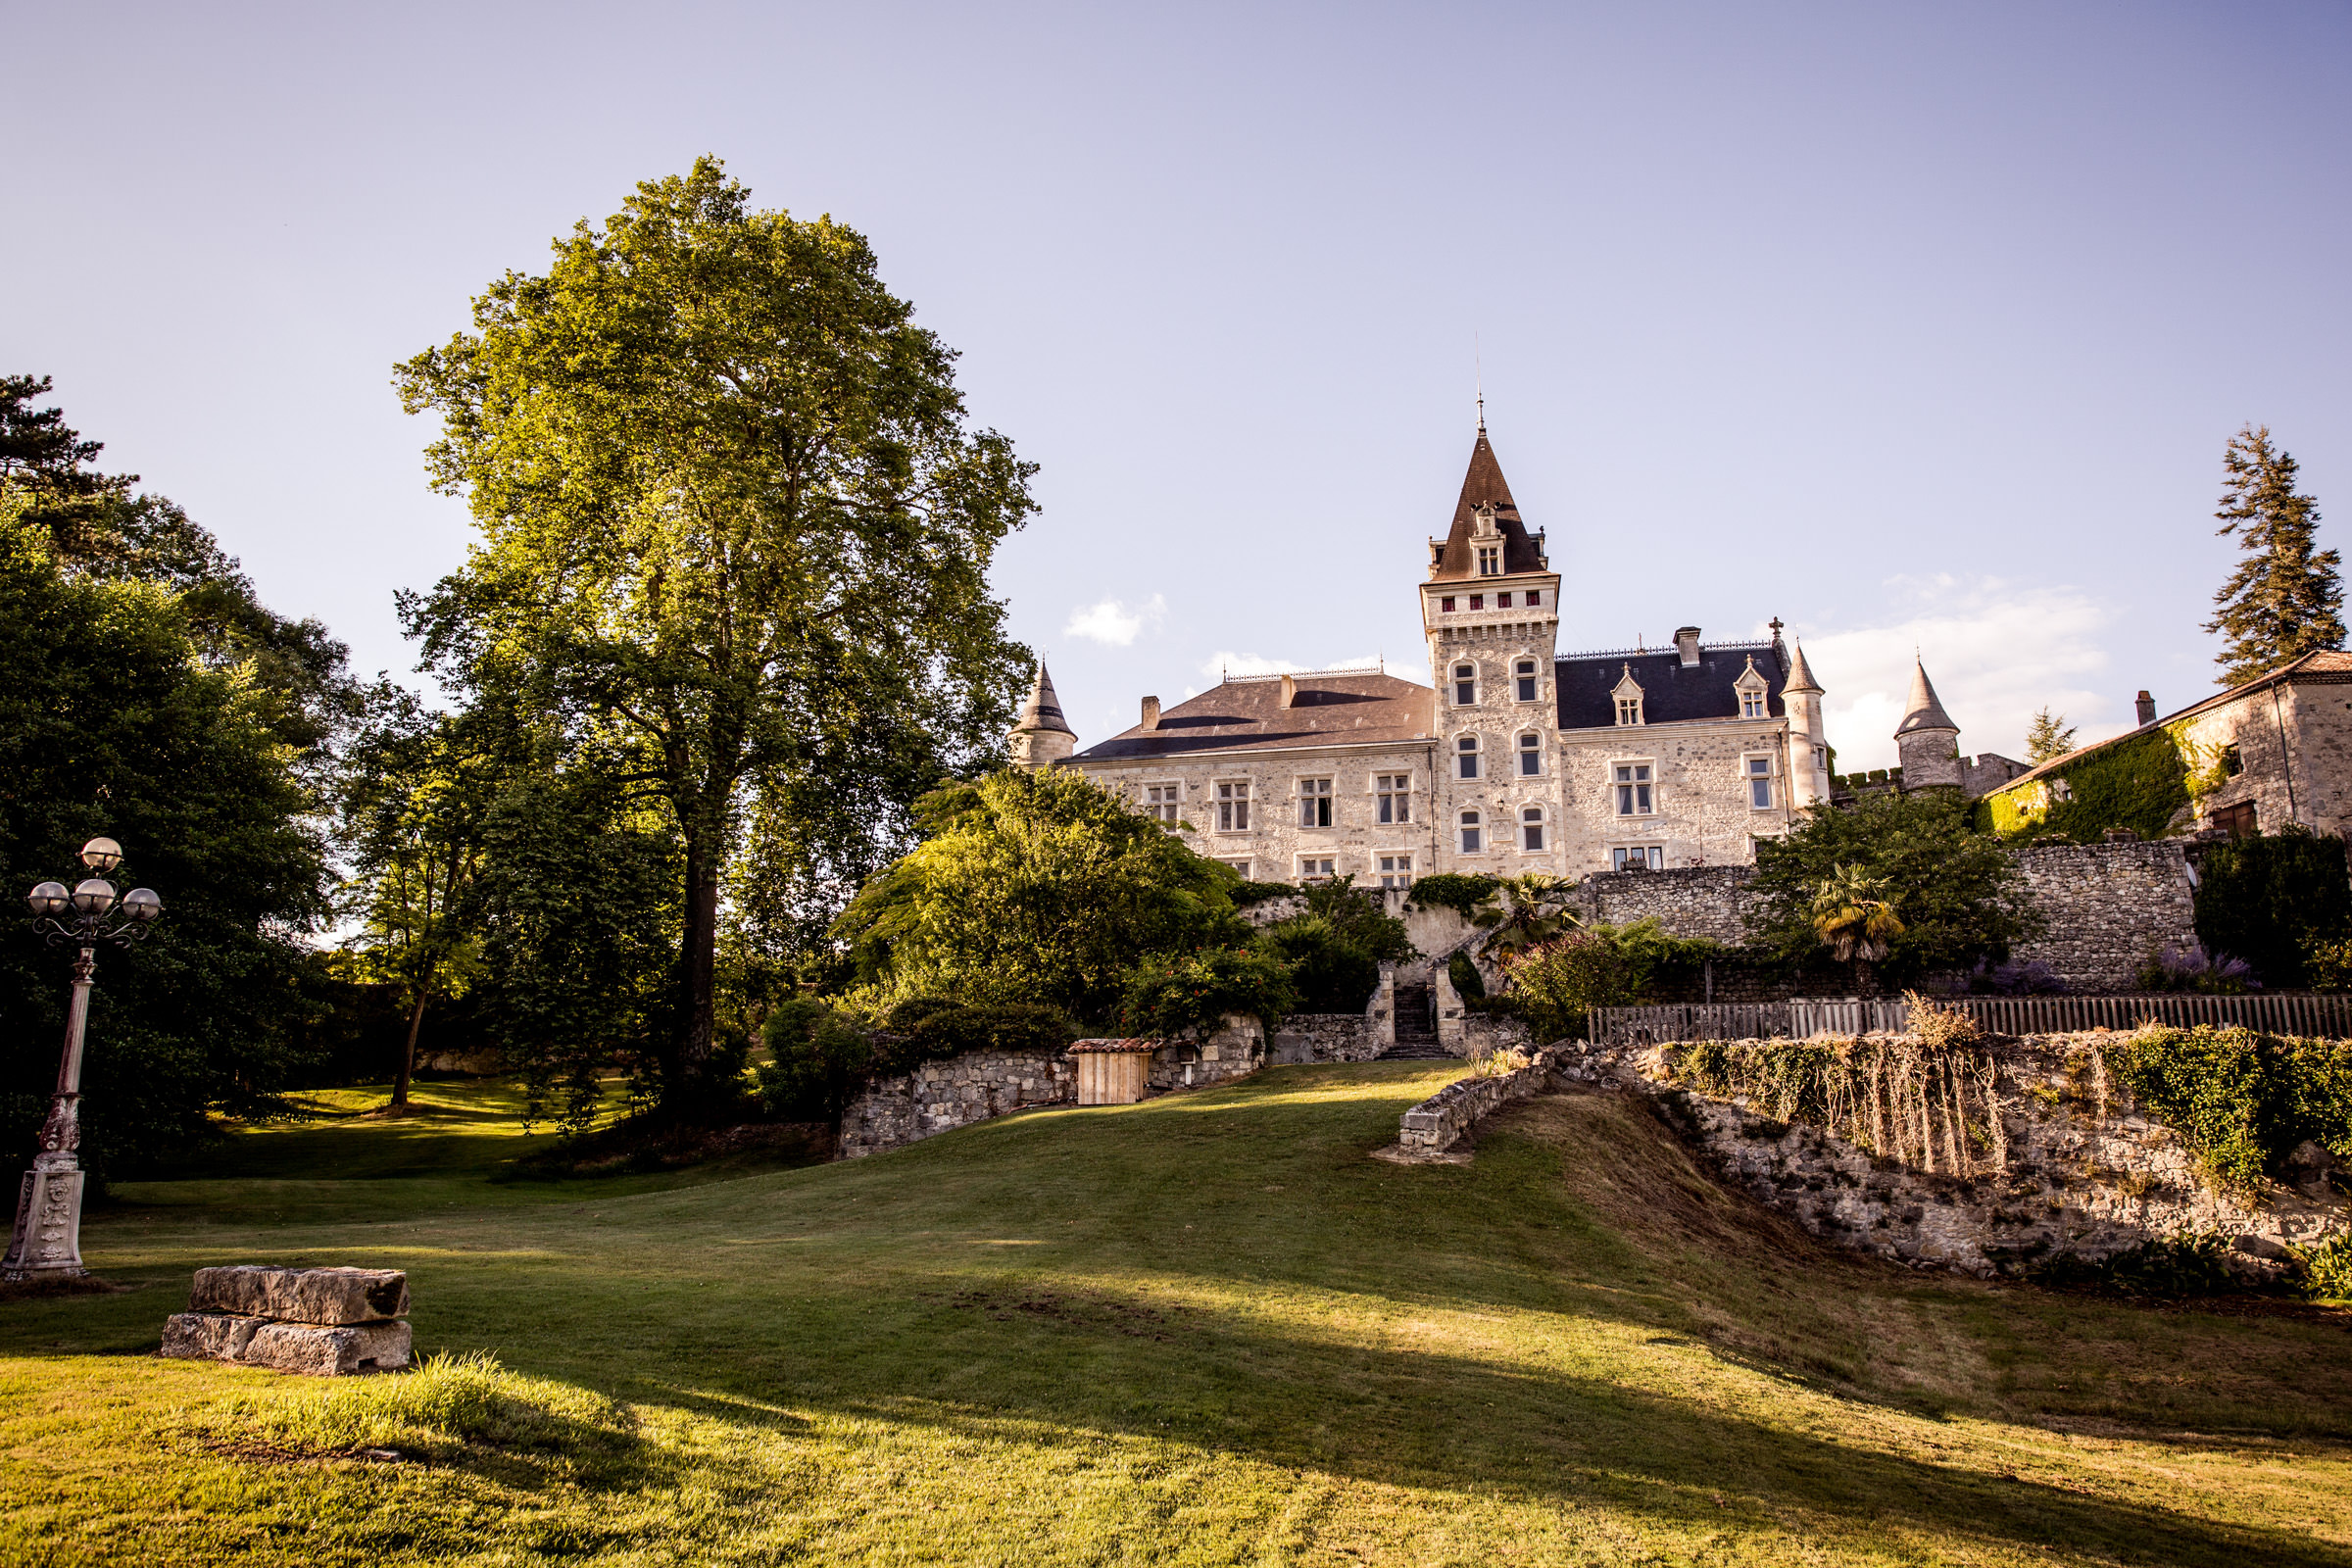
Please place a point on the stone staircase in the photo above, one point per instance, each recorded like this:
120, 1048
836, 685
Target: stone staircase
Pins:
1416, 1028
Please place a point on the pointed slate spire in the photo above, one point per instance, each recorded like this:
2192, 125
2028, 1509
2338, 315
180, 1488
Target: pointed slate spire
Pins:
1800, 675
1042, 710
1925, 710
1484, 485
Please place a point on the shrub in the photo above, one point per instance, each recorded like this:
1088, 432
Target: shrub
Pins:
1461, 972
1928, 1103
2170, 1267
935, 1028
1191, 993
2267, 899
2328, 1270
1558, 983
1460, 892
2194, 969
2244, 1102
2012, 978
1247, 893
2328, 965
818, 1060
1332, 974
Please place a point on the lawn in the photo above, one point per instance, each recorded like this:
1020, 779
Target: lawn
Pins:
1207, 1329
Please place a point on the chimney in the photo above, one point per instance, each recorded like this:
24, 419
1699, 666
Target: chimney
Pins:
1685, 638
2147, 709
1290, 691
1151, 712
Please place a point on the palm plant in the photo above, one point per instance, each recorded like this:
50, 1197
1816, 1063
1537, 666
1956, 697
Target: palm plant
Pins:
1857, 923
1524, 912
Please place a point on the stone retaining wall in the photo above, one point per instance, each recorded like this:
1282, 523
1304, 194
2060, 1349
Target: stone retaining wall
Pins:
1306, 1037
1437, 1123
2110, 908
2075, 1181
939, 1095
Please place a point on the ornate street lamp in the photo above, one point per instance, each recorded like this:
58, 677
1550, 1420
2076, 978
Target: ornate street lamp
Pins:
47, 1241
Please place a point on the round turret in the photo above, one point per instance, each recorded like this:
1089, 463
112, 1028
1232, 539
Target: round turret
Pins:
1041, 737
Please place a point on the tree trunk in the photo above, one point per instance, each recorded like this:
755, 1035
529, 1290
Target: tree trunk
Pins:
408, 1052
699, 981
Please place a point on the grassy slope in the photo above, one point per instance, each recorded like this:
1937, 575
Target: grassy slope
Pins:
1201, 1330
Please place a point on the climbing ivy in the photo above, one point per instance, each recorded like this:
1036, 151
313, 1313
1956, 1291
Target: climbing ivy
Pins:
1460, 892
2138, 783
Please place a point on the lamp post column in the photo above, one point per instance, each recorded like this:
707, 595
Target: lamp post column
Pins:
47, 1239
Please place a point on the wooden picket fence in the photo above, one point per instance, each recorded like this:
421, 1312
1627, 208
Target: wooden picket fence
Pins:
2299, 1012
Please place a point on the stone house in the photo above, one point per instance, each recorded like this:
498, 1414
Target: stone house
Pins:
1514, 758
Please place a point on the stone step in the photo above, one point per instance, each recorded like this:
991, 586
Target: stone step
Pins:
1415, 1051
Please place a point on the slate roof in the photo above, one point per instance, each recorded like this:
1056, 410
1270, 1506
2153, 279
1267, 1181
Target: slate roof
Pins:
1669, 692
1924, 709
1042, 710
1246, 714
1484, 482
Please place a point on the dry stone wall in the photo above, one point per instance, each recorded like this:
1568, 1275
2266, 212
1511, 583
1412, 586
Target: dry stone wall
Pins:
2077, 1181
2110, 907
941, 1096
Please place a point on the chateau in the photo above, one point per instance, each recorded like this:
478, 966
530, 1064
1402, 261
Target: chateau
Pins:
1515, 758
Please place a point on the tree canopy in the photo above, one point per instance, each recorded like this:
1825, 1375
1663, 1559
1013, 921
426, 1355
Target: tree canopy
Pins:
735, 535
2048, 736
1956, 896
2286, 597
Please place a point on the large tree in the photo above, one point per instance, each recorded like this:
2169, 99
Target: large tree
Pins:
2285, 599
735, 532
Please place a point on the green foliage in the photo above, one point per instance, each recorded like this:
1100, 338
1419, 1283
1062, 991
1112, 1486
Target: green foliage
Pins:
1558, 983
1524, 910
112, 721
820, 1057
735, 539
1958, 894
2285, 599
2269, 898
1043, 888
1460, 891
2328, 965
1247, 894
1332, 973
1652, 955
2048, 737
1461, 972
1922, 1099
2242, 1101
2139, 782
935, 1028
1362, 919
2328, 1270
2168, 1268
1191, 993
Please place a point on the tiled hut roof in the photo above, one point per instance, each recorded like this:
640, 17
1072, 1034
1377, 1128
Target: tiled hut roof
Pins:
1246, 714
1485, 483
1669, 692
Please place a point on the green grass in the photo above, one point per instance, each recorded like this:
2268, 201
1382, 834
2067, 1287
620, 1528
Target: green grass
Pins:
1202, 1330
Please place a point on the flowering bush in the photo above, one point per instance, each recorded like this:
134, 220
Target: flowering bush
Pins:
1191, 993
2195, 969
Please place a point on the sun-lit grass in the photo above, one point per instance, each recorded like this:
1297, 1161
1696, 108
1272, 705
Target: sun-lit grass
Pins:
1207, 1329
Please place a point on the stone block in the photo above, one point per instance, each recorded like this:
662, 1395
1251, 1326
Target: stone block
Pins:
329, 1297
312, 1348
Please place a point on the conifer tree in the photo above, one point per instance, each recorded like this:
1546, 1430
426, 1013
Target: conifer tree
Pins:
2286, 598
2048, 735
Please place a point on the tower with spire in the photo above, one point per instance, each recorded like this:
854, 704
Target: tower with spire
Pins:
1926, 738
1808, 738
1041, 736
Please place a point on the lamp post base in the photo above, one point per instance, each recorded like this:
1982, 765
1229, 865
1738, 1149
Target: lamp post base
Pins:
47, 1241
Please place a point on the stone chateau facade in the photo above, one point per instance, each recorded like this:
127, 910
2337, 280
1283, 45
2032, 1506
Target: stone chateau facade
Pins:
1514, 758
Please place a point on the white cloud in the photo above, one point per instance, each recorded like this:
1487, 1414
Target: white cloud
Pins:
1115, 622
1995, 650
1224, 661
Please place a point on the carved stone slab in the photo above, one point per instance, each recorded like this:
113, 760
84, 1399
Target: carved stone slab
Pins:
315, 1350
332, 1297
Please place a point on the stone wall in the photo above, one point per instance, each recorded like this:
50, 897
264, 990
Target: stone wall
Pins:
1236, 1050
941, 1096
1306, 1037
1704, 901
1704, 817
2110, 907
2077, 1179
1437, 1124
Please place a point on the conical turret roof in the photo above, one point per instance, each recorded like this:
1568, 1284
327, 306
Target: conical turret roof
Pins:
1925, 710
1485, 485
1800, 675
1042, 710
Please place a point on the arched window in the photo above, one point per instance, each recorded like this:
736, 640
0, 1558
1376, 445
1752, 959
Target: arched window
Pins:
1470, 833
1525, 673
1531, 755
1467, 749
1465, 685
1531, 828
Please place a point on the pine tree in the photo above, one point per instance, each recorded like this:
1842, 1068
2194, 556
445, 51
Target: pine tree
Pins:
2285, 599
2048, 735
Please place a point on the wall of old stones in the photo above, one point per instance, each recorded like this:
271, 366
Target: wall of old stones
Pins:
941, 1096
1710, 900
2080, 1178
1306, 1037
2110, 907
1703, 817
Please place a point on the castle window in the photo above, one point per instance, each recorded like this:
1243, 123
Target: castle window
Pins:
1629, 709
1490, 560
1470, 833
1525, 672
1314, 803
1396, 794
1465, 685
1395, 870
1759, 783
1445, 603
1502, 600
1531, 755
1467, 751
1313, 868
1751, 704
1534, 599
1638, 858
1478, 600
1633, 797
1161, 800
1241, 867
1233, 807
1530, 829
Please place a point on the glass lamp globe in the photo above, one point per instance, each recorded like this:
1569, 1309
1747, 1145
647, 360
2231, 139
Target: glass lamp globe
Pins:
94, 897
141, 904
48, 899
101, 855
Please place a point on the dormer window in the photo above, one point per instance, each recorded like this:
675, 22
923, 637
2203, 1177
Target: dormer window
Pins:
1490, 560
1752, 692
1465, 685
1628, 693
1751, 704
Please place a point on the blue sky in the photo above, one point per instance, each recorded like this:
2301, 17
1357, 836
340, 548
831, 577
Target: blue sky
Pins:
1911, 325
